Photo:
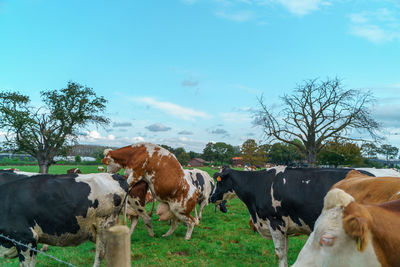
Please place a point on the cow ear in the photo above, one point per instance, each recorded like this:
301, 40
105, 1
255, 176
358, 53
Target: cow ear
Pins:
106, 151
356, 227
219, 178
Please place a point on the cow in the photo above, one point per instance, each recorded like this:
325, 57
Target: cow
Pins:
167, 181
281, 201
204, 184
59, 210
370, 190
349, 234
74, 170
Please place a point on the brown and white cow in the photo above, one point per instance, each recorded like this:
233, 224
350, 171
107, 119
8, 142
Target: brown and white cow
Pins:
160, 169
73, 170
370, 190
351, 234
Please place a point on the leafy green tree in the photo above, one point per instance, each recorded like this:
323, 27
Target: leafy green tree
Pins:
252, 153
44, 132
340, 153
182, 156
98, 153
284, 154
193, 155
78, 159
220, 153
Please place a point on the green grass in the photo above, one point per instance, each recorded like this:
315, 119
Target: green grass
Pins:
219, 240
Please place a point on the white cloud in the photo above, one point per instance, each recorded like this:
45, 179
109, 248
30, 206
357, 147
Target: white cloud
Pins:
157, 127
388, 115
377, 26
302, 7
236, 117
238, 16
173, 109
187, 143
358, 18
184, 132
372, 33
239, 115
95, 136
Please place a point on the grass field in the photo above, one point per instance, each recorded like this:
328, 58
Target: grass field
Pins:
219, 240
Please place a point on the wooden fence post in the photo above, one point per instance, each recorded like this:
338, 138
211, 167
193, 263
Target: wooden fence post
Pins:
118, 246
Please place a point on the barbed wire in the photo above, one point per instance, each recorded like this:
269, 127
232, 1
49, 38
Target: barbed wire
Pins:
33, 249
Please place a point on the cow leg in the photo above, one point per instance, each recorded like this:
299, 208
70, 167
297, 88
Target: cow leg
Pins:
189, 221
134, 222
140, 208
280, 240
147, 221
174, 224
100, 248
27, 257
102, 225
201, 207
195, 213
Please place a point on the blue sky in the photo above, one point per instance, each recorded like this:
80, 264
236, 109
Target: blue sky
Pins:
184, 73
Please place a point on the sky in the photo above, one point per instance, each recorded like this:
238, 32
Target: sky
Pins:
188, 72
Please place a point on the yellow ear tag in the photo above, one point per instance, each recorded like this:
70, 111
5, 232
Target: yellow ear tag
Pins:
219, 178
359, 244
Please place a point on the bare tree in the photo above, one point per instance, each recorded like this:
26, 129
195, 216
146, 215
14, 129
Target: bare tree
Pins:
47, 131
316, 112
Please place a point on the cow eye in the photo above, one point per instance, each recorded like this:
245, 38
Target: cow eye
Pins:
327, 240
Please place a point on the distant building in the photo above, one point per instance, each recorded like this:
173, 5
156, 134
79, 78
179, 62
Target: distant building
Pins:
237, 162
197, 162
72, 158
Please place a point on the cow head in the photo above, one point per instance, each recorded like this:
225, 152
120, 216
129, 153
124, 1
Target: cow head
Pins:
222, 206
331, 244
223, 187
112, 166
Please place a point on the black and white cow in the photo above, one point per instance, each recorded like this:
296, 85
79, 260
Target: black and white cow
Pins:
59, 210
281, 201
204, 184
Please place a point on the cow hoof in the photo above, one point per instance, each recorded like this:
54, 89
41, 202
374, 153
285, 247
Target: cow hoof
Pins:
151, 234
165, 235
187, 238
45, 248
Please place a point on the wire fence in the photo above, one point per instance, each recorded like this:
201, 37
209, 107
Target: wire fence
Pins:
15, 242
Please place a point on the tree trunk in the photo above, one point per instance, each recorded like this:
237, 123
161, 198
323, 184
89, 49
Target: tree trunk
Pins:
44, 163
44, 168
311, 158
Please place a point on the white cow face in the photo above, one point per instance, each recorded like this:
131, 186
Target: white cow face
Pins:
329, 245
